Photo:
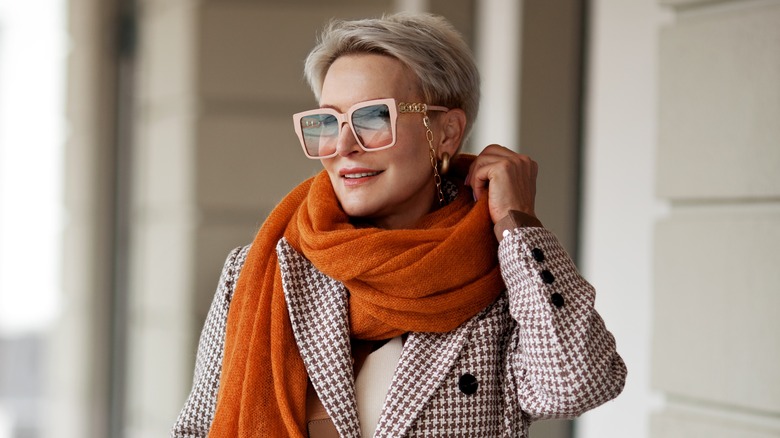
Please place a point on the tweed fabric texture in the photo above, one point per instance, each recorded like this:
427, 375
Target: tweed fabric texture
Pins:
425, 399
531, 358
321, 328
195, 419
563, 365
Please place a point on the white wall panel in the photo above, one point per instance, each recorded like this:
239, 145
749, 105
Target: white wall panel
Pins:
717, 291
618, 205
720, 104
680, 423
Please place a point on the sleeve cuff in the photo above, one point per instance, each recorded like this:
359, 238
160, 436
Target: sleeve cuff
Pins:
514, 219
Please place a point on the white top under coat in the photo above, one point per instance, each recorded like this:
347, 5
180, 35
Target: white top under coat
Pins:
373, 382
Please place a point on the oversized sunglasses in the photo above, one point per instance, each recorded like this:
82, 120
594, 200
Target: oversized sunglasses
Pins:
372, 123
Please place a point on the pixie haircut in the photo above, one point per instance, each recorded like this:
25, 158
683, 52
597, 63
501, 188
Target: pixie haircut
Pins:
427, 44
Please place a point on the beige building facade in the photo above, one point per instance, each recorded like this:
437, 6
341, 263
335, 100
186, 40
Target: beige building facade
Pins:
654, 124
716, 339
681, 203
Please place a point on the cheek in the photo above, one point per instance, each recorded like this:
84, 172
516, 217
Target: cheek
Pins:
415, 166
332, 174
415, 143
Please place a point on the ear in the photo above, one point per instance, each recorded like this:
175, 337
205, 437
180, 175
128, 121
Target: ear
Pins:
452, 126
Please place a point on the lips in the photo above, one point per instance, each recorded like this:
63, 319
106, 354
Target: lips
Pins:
359, 175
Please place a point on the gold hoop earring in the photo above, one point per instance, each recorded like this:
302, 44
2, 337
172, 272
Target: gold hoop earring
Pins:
445, 163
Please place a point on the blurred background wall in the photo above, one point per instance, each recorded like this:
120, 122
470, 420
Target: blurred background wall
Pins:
681, 213
32, 70
654, 124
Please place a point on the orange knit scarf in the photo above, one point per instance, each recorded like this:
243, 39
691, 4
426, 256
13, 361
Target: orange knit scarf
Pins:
428, 279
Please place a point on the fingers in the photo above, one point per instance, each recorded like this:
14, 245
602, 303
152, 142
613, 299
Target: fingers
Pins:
497, 161
507, 178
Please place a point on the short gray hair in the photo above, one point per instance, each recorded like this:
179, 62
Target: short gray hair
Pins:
427, 44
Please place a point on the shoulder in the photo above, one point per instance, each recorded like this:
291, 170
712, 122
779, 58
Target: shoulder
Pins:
231, 270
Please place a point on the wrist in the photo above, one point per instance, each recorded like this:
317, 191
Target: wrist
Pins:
515, 219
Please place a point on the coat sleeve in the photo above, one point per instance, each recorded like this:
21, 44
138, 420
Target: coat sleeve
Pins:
195, 417
562, 361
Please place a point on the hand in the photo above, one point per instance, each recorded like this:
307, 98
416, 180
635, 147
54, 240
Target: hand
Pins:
507, 178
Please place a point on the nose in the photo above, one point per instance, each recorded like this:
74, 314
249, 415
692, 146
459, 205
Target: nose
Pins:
346, 143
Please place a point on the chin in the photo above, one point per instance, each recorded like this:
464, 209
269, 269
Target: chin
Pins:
357, 208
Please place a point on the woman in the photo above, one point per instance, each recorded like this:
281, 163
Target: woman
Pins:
401, 291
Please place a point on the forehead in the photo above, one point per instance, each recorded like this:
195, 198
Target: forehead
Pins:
357, 78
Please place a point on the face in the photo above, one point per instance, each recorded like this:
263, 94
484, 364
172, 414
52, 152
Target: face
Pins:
390, 188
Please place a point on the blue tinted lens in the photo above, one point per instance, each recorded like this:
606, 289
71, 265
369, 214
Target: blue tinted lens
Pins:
320, 134
373, 126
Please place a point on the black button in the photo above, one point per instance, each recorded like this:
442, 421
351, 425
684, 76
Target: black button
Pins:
547, 276
468, 384
538, 254
557, 300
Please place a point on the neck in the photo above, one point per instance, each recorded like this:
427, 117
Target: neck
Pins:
402, 221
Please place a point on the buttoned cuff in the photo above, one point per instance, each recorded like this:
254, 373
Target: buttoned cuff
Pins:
514, 219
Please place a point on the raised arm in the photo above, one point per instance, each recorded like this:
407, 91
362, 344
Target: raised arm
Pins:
565, 361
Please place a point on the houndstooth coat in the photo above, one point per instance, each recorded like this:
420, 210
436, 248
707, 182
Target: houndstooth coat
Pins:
539, 351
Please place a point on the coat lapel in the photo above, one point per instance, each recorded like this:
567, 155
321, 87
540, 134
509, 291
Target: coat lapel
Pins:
319, 314
426, 360
318, 307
